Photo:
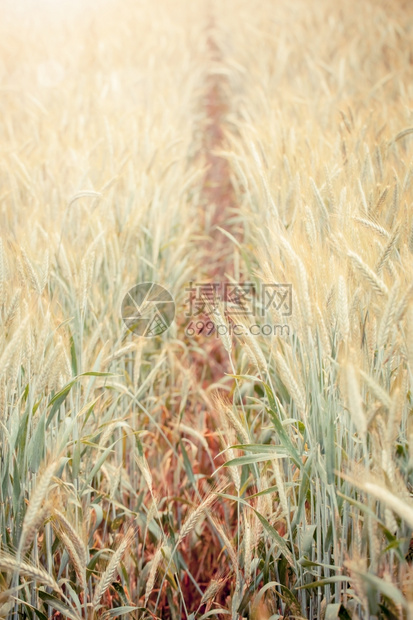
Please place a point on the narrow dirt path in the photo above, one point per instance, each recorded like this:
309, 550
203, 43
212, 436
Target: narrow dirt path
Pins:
218, 201
210, 367
218, 192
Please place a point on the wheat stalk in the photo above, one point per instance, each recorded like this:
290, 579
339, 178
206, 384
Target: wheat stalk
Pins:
72, 534
373, 226
354, 399
212, 590
156, 560
107, 577
290, 382
342, 309
31, 518
194, 517
10, 564
376, 283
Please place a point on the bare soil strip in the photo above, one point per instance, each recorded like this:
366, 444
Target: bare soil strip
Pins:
216, 207
218, 192
217, 204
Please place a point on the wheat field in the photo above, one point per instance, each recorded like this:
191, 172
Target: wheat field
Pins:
255, 459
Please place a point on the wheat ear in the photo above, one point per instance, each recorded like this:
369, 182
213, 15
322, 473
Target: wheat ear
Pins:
37, 573
109, 573
30, 523
157, 558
